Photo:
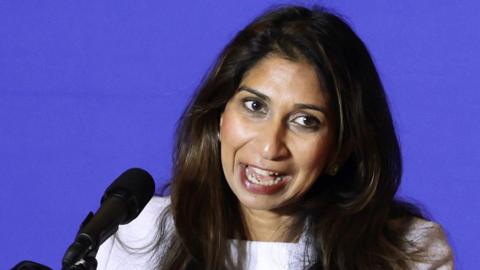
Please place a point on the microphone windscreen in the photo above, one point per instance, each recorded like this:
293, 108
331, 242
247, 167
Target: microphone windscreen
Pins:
136, 187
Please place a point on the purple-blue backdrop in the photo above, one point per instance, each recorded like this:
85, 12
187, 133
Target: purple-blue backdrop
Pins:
89, 89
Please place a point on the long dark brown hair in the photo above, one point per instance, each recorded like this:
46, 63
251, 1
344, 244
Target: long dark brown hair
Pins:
350, 214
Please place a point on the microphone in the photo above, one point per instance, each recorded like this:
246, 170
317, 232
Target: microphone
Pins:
121, 203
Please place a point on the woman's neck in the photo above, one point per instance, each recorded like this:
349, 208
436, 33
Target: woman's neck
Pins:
267, 226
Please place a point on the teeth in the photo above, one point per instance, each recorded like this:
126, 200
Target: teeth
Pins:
252, 178
264, 172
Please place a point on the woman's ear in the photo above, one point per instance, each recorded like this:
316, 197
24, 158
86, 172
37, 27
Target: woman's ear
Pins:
220, 127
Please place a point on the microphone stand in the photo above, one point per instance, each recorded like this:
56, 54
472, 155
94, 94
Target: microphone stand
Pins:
81, 254
88, 263
93, 232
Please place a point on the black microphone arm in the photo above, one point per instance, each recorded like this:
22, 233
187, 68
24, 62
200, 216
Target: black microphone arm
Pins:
121, 203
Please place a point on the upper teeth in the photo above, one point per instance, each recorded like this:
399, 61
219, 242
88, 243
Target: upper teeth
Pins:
263, 172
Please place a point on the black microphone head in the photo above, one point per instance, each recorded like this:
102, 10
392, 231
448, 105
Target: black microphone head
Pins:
136, 187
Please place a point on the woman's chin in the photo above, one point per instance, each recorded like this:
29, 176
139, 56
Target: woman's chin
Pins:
256, 203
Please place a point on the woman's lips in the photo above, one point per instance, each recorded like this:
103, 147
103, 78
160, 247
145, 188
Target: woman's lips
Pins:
258, 181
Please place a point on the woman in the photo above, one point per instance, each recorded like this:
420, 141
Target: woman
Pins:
285, 158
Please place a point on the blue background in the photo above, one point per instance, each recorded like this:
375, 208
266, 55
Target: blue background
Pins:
91, 88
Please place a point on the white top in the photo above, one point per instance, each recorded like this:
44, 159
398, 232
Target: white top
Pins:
261, 255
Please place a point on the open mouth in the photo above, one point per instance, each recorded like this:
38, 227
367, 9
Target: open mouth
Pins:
263, 181
263, 177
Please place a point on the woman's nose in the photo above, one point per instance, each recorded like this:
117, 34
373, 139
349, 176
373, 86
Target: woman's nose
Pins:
272, 141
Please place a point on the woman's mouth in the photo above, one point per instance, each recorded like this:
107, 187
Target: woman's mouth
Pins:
262, 181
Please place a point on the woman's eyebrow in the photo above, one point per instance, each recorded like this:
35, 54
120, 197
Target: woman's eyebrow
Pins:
311, 107
255, 92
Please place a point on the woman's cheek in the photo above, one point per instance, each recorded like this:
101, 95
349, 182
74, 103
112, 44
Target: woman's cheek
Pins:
236, 129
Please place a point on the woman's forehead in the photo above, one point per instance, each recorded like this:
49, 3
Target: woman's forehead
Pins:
276, 75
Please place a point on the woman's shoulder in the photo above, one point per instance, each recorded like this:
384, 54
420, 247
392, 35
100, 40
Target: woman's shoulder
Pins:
131, 246
429, 241
146, 222
155, 206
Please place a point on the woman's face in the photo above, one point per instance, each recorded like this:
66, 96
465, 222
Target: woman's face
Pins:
277, 134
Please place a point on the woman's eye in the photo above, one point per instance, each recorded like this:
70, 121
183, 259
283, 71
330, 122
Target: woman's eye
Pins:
253, 105
306, 121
